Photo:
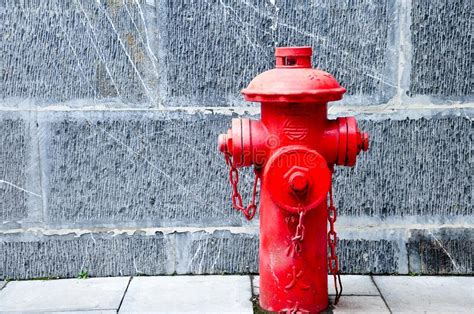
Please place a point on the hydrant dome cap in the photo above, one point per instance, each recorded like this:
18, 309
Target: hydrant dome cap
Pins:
293, 85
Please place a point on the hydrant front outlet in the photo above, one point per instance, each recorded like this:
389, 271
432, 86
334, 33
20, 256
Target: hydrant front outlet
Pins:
293, 147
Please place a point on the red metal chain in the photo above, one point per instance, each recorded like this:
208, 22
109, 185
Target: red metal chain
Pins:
296, 240
333, 261
249, 210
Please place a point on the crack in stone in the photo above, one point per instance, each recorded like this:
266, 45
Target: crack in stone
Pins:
20, 188
445, 251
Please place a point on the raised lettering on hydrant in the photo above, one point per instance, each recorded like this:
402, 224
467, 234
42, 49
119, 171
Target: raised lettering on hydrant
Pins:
293, 148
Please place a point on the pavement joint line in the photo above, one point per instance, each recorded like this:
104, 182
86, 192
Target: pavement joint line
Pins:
380, 293
3, 286
124, 293
252, 287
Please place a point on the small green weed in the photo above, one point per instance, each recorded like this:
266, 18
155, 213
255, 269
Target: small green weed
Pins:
84, 274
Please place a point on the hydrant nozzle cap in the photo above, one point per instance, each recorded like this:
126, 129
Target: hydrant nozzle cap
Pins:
365, 141
222, 143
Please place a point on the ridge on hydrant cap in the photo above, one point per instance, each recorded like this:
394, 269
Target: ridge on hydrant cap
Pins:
305, 51
293, 80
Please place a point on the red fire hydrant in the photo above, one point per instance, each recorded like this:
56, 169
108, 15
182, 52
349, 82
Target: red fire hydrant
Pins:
293, 148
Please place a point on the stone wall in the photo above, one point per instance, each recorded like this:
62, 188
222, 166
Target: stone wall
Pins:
109, 116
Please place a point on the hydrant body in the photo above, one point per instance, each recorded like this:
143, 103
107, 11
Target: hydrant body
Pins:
294, 148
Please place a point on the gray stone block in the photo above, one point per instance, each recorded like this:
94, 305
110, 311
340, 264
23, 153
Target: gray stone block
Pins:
214, 49
14, 150
154, 169
362, 256
58, 51
24, 256
221, 252
441, 251
419, 167
441, 34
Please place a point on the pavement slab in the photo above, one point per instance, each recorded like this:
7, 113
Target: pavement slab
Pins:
193, 294
427, 294
352, 285
359, 304
64, 295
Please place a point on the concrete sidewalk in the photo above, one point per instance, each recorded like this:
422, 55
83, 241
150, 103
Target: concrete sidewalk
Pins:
229, 294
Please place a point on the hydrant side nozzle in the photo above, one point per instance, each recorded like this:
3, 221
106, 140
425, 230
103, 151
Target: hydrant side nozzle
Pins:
351, 141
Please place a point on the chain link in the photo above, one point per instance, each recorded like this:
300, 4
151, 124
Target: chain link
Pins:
250, 210
333, 261
298, 238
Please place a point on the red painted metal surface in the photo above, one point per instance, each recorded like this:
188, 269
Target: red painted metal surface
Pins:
293, 148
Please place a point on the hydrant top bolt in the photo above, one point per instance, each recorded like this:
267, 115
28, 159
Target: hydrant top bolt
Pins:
298, 181
295, 57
